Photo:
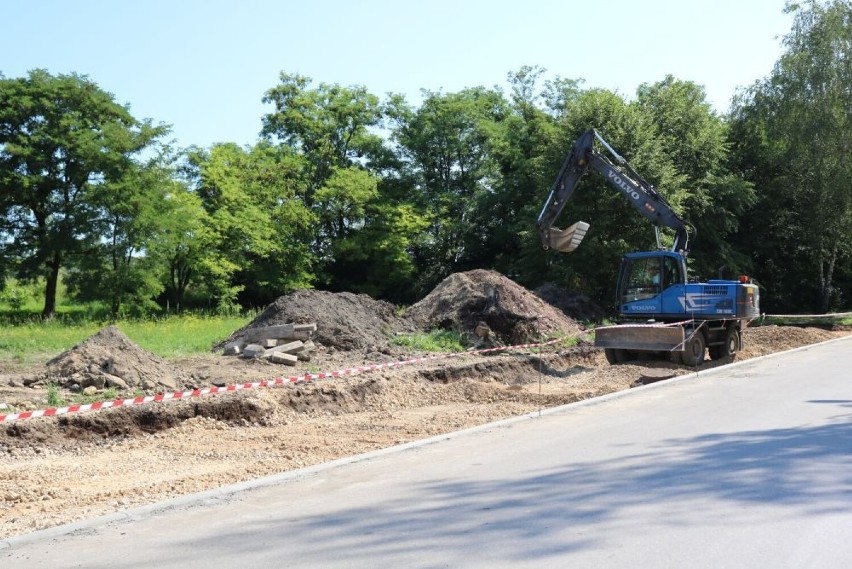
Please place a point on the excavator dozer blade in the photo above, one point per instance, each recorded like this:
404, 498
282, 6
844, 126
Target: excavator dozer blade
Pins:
566, 240
632, 337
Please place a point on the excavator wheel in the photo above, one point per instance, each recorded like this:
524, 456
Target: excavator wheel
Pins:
693, 354
615, 356
733, 342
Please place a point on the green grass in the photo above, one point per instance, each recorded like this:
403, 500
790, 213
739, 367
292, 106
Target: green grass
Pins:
54, 395
434, 341
25, 300
573, 341
35, 341
178, 336
57, 398
804, 321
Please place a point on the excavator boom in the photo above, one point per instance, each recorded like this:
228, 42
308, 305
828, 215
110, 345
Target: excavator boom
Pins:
639, 193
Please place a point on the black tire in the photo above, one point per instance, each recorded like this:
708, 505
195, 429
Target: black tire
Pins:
693, 353
615, 356
733, 342
729, 349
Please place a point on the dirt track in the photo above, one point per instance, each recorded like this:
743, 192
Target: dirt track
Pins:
57, 470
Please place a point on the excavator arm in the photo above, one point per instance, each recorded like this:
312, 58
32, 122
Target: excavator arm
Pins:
639, 193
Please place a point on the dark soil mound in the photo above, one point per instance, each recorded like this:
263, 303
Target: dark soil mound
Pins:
345, 321
572, 304
491, 307
110, 359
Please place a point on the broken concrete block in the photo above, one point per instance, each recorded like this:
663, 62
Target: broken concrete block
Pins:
253, 351
312, 327
114, 381
269, 343
279, 331
233, 348
282, 358
288, 348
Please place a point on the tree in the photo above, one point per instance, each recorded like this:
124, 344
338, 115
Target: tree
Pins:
61, 139
121, 268
334, 131
186, 250
712, 198
615, 226
376, 259
797, 123
260, 228
520, 146
329, 125
445, 146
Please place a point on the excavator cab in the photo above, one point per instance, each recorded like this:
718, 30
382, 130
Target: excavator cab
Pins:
644, 277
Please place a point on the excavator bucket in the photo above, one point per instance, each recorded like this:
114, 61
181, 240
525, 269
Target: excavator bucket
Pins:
566, 240
653, 338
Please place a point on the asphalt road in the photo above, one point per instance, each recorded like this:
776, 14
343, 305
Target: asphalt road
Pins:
744, 466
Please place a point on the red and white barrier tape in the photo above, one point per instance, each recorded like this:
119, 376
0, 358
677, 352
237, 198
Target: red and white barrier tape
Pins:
306, 378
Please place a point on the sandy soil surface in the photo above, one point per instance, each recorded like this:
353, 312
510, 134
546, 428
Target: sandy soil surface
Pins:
61, 469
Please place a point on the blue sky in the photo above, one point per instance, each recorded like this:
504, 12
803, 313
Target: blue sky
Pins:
203, 66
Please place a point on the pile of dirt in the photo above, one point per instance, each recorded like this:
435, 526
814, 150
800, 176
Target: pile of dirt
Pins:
492, 307
483, 304
110, 359
763, 340
573, 304
345, 321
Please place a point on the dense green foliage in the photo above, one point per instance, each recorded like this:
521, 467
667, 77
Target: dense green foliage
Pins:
75, 192
346, 191
792, 135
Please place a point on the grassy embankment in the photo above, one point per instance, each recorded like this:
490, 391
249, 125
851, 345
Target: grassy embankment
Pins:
23, 344
817, 321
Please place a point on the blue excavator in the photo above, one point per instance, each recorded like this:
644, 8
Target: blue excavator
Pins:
661, 311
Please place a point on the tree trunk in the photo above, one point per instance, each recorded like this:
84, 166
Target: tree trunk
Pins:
180, 273
53, 265
115, 307
826, 280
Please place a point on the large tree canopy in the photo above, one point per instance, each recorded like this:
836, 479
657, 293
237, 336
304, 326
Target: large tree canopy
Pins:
329, 125
63, 141
711, 197
259, 230
793, 134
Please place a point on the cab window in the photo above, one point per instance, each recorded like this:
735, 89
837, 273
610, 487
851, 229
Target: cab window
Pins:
671, 273
644, 279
